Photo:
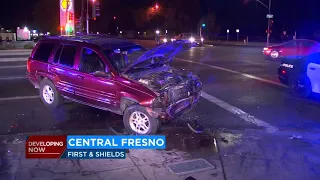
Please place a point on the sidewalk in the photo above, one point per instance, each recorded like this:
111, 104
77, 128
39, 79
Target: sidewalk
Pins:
242, 155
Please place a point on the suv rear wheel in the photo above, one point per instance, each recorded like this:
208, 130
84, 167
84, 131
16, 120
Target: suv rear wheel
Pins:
137, 120
49, 94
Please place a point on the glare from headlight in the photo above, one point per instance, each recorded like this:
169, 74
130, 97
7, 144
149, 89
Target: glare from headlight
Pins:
191, 39
202, 39
165, 40
172, 40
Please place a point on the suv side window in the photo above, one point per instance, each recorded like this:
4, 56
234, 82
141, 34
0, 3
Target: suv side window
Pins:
67, 55
57, 55
90, 62
43, 52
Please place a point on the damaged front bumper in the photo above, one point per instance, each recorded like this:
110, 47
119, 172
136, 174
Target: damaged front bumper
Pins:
175, 109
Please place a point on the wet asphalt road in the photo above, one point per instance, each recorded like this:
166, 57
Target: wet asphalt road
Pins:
243, 89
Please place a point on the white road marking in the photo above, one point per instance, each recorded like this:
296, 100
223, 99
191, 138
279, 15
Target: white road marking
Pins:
13, 59
236, 72
13, 78
10, 67
18, 98
236, 111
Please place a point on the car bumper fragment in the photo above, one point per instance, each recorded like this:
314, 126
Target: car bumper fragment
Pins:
175, 109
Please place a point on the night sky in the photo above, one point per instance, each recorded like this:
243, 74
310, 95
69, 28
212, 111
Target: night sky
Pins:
247, 15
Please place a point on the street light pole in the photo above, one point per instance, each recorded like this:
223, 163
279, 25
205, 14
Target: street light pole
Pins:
268, 36
269, 8
87, 17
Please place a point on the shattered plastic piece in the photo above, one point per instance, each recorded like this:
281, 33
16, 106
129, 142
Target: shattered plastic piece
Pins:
214, 142
224, 140
196, 128
295, 137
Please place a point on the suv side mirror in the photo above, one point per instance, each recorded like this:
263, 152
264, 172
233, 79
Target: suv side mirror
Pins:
102, 74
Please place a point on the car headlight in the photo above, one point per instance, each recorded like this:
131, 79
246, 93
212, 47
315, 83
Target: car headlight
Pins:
202, 39
191, 39
172, 40
165, 40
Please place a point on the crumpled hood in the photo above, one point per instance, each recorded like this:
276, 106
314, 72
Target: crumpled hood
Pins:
169, 51
160, 78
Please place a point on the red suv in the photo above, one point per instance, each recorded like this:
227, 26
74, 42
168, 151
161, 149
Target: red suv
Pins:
116, 75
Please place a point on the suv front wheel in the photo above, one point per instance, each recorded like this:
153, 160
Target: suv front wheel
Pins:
49, 94
138, 121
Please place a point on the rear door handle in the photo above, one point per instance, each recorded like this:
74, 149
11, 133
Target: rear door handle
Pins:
80, 77
312, 68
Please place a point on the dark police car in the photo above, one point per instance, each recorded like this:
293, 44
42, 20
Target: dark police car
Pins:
301, 74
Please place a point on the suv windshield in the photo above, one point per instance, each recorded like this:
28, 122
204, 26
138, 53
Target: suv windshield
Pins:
123, 57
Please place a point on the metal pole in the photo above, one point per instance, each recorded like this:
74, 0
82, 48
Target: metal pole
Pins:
82, 16
67, 17
87, 17
268, 34
200, 30
227, 36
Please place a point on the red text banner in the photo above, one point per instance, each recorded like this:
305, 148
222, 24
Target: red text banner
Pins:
45, 146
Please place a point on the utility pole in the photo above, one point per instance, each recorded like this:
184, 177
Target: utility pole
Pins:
67, 15
82, 15
88, 17
269, 8
268, 36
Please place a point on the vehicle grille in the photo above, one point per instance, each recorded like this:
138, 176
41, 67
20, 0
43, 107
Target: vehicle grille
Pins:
183, 91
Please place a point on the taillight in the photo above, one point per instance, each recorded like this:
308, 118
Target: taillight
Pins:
28, 66
284, 72
266, 50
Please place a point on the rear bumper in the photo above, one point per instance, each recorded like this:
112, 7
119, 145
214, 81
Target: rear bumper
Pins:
33, 79
176, 109
283, 77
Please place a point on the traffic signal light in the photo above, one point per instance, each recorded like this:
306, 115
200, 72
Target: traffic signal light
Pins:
267, 31
61, 28
203, 25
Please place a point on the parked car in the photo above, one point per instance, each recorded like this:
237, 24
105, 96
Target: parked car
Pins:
191, 37
116, 75
292, 49
163, 39
302, 75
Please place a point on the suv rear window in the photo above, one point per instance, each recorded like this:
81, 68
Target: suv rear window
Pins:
43, 52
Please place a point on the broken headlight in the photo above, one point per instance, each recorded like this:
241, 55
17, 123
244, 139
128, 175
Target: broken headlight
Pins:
144, 81
160, 101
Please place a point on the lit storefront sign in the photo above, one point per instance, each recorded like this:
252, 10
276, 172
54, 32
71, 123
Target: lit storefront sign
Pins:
67, 17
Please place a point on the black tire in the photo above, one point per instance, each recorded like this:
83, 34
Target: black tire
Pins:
57, 99
295, 86
154, 123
